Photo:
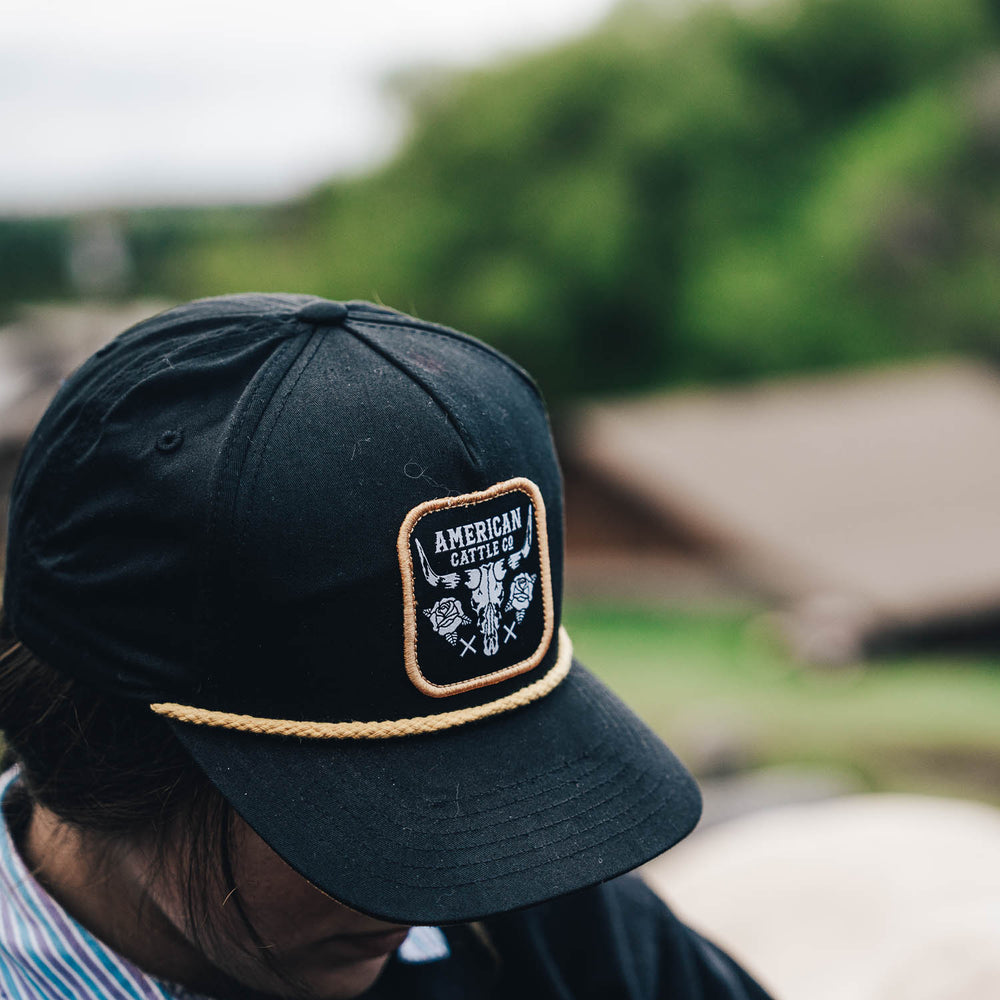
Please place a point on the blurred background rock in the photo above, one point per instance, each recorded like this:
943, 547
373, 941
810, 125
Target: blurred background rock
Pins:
752, 254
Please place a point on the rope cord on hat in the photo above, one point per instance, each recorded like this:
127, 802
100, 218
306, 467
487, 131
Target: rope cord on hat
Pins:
9, 653
382, 729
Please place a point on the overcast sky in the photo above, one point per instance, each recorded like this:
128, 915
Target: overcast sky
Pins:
111, 102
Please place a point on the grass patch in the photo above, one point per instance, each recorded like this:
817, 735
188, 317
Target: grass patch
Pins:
917, 724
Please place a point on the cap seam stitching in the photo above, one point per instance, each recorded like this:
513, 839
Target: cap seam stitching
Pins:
91, 416
314, 342
464, 340
215, 512
449, 416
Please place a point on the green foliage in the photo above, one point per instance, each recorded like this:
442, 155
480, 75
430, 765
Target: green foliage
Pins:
36, 255
722, 196
32, 259
666, 201
919, 724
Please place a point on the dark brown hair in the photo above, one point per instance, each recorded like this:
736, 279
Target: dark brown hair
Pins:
114, 770
105, 765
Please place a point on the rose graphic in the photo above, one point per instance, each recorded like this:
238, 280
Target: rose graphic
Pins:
522, 589
447, 617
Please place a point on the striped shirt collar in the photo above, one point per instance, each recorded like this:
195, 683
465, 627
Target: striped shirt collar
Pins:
46, 955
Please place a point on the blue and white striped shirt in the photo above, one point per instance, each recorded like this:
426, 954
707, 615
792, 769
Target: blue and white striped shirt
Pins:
46, 955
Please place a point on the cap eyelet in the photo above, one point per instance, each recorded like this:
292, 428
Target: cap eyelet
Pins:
170, 441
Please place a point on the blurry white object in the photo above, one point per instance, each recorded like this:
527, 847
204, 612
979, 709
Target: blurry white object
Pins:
874, 897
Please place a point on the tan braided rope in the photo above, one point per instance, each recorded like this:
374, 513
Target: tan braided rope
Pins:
377, 730
10, 653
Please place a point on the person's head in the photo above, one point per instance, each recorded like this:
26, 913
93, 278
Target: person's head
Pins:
316, 550
106, 780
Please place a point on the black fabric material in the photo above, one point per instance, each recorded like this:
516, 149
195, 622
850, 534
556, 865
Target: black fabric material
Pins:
107, 530
617, 941
470, 821
208, 514
338, 615
251, 566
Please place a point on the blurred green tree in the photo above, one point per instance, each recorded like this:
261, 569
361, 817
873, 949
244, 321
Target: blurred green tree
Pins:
720, 195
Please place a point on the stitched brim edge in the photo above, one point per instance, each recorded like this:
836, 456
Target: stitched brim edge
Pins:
485, 818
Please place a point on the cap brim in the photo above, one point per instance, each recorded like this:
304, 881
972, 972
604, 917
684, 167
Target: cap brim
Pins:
480, 819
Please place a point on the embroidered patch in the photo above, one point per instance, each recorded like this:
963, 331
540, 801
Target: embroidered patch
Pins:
477, 595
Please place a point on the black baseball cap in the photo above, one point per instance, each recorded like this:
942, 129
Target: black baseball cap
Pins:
323, 540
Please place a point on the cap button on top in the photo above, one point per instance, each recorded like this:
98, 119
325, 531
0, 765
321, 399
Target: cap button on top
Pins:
323, 313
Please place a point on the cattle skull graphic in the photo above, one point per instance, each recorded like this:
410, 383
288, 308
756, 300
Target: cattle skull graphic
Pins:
486, 583
450, 580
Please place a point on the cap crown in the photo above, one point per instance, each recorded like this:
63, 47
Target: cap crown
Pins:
210, 513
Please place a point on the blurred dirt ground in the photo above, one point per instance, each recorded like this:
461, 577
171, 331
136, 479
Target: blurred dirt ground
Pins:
874, 897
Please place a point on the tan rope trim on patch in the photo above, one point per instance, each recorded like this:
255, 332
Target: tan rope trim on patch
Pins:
378, 730
428, 687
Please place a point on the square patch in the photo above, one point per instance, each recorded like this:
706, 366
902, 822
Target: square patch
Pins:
477, 592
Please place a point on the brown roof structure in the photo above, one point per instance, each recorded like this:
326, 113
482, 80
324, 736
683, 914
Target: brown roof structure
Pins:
880, 490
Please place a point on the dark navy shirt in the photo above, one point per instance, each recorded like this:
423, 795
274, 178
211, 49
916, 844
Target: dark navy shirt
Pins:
617, 941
